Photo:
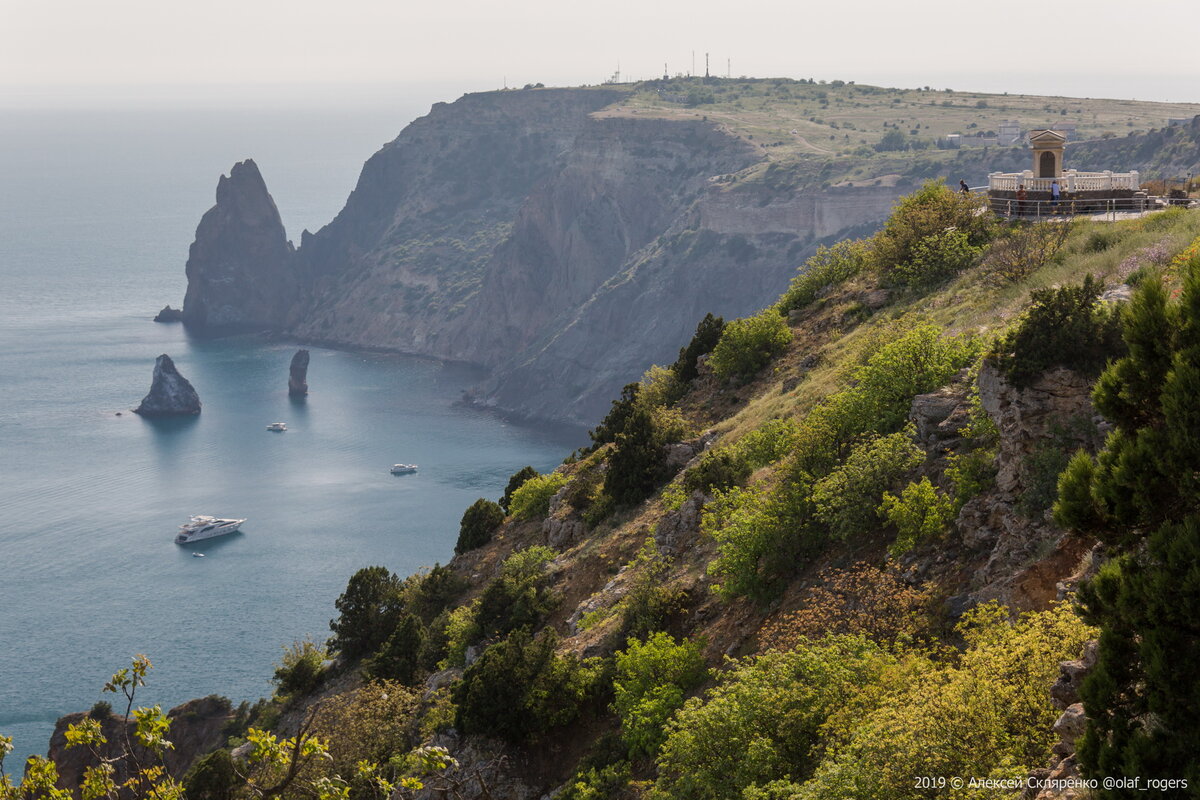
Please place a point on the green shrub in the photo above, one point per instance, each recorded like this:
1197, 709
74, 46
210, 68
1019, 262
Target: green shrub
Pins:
212, 777
615, 420
598, 783
461, 629
637, 464
920, 513
769, 442
102, 710
930, 211
301, 669
429, 594
516, 481
369, 611
1066, 327
934, 260
718, 469
748, 344
652, 600
652, 680
708, 333
478, 524
829, 267
532, 500
519, 597
847, 498
519, 688
764, 720
400, 657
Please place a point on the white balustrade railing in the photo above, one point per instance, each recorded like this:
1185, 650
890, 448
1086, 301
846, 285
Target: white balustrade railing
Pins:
1069, 181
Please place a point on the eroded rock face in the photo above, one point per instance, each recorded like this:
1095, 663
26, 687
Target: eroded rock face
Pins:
239, 268
197, 728
170, 393
169, 314
298, 374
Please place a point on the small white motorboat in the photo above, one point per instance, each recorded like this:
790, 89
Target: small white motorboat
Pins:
197, 555
277, 426
403, 469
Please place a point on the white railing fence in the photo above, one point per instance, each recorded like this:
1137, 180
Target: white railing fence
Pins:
1070, 181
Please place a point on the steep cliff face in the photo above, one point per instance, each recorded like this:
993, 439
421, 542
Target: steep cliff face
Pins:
565, 251
239, 268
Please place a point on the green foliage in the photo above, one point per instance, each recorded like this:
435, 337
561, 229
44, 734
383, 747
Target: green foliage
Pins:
478, 524
637, 464
399, 660
519, 597
652, 679
614, 422
515, 482
935, 258
920, 513
532, 499
102, 710
213, 777
652, 599
1141, 496
718, 469
748, 344
984, 713
892, 141
769, 442
708, 333
301, 668
428, 595
461, 630
1025, 249
763, 721
598, 783
933, 210
829, 267
847, 498
1066, 327
519, 688
369, 610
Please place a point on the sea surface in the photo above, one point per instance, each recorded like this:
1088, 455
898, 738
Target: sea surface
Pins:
96, 214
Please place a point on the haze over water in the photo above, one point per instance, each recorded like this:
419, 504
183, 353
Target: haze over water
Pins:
96, 214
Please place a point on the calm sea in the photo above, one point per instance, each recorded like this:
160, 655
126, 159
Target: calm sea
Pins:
96, 215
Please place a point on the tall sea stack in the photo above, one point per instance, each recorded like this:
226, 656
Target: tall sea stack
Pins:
170, 393
298, 377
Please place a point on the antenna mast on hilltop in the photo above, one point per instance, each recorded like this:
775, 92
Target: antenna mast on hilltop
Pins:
666, 74
693, 72
706, 65
729, 68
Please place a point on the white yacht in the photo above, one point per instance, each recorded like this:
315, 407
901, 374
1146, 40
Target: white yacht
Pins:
205, 527
277, 426
403, 469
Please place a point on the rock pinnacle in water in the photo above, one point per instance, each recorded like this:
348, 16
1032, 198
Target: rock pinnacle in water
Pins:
170, 394
298, 377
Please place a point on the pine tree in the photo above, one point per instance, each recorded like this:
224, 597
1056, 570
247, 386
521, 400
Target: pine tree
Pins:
636, 466
400, 656
1141, 496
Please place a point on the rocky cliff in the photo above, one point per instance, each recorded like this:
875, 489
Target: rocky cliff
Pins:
522, 232
170, 393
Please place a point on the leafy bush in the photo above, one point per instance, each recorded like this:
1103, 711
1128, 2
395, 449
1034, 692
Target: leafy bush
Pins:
718, 469
598, 783
519, 597
930, 211
920, 513
478, 524
369, 610
652, 679
516, 481
769, 442
763, 721
651, 599
1066, 327
615, 420
373, 722
532, 500
519, 688
846, 499
461, 629
829, 267
708, 333
934, 259
748, 344
212, 777
301, 669
102, 710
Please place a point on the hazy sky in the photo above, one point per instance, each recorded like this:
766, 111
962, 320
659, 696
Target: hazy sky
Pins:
122, 51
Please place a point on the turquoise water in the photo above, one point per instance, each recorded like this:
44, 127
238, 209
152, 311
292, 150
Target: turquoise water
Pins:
96, 213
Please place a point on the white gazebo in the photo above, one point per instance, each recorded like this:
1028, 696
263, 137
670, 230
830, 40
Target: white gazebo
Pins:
1048, 146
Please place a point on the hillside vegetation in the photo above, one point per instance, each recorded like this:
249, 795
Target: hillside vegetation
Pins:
826, 553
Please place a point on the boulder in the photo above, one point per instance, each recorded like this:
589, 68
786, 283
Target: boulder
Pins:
170, 393
298, 374
169, 314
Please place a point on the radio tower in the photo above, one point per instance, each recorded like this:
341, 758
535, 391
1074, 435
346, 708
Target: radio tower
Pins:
706, 66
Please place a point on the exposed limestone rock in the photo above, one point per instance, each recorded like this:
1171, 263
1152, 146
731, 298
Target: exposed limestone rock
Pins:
170, 393
240, 270
197, 728
1065, 691
1069, 727
679, 529
298, 374
169, 314
938, 417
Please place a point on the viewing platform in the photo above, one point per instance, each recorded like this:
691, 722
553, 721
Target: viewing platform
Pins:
1070, 181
